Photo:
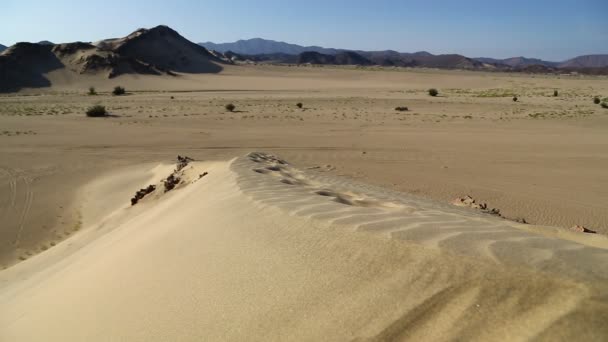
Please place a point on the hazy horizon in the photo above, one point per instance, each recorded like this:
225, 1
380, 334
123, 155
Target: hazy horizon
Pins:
549, 30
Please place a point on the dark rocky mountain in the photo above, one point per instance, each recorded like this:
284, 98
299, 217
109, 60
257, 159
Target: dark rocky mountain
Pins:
422, 59
587, 61
24, 64
2, 47
259, 46
45, 42
165, 48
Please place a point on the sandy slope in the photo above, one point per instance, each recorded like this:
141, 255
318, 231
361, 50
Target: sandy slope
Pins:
261, 250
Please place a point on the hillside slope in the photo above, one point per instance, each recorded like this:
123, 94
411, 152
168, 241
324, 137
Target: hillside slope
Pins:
156, 51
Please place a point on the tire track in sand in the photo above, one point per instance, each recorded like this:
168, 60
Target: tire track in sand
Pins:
29, 198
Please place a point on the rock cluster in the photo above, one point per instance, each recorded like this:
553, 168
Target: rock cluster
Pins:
142, 193
581, 229
470, 202
182, 162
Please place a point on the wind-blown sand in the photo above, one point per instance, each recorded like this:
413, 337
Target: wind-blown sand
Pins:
259, 249
311, 250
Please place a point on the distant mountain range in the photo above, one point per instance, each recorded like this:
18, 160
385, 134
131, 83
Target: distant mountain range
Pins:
2, 47
163, 51
587, 61
259, 46
260, 50
517, 61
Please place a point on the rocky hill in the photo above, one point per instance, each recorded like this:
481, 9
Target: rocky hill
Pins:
166, 49
587, 61
155, 51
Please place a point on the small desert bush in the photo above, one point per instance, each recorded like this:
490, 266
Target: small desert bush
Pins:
555, 93
514, 98
92, 91
604, 105
299, 105
433, 92
596, 100
97, 111
118, 90
230, 107
401, 109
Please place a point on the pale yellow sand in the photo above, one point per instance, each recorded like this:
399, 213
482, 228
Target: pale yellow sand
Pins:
541, 158
261, 250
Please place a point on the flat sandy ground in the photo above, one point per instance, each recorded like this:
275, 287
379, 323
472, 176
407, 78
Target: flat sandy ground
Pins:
543, 158
261, 249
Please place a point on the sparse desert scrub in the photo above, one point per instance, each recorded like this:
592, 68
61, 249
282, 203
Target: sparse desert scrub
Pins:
118, 90
596, 100
515, 98
555, 93
433, 92
299, 105
230, 107
97, 111
92, 91
401, 109
604, 105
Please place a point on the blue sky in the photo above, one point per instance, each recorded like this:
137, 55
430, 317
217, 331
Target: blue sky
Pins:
553, 30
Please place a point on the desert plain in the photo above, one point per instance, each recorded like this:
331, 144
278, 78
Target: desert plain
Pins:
291, 271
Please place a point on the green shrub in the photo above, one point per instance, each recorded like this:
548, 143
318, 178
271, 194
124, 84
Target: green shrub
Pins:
596, 100
230, 107
97, 111
118, 90
92, 91
299, 105
433, 92
604, 105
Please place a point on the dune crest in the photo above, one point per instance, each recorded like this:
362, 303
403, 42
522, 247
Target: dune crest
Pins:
260, 250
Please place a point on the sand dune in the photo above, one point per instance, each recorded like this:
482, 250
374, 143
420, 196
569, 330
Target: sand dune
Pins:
258, 249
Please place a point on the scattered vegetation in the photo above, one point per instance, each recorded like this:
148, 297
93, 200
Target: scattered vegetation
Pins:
118, 90
555, 93
172, 97
596, 100
401, 109
604, 105
230, 107
97, 111
433, 92
514, 98
92, 91
299, 105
